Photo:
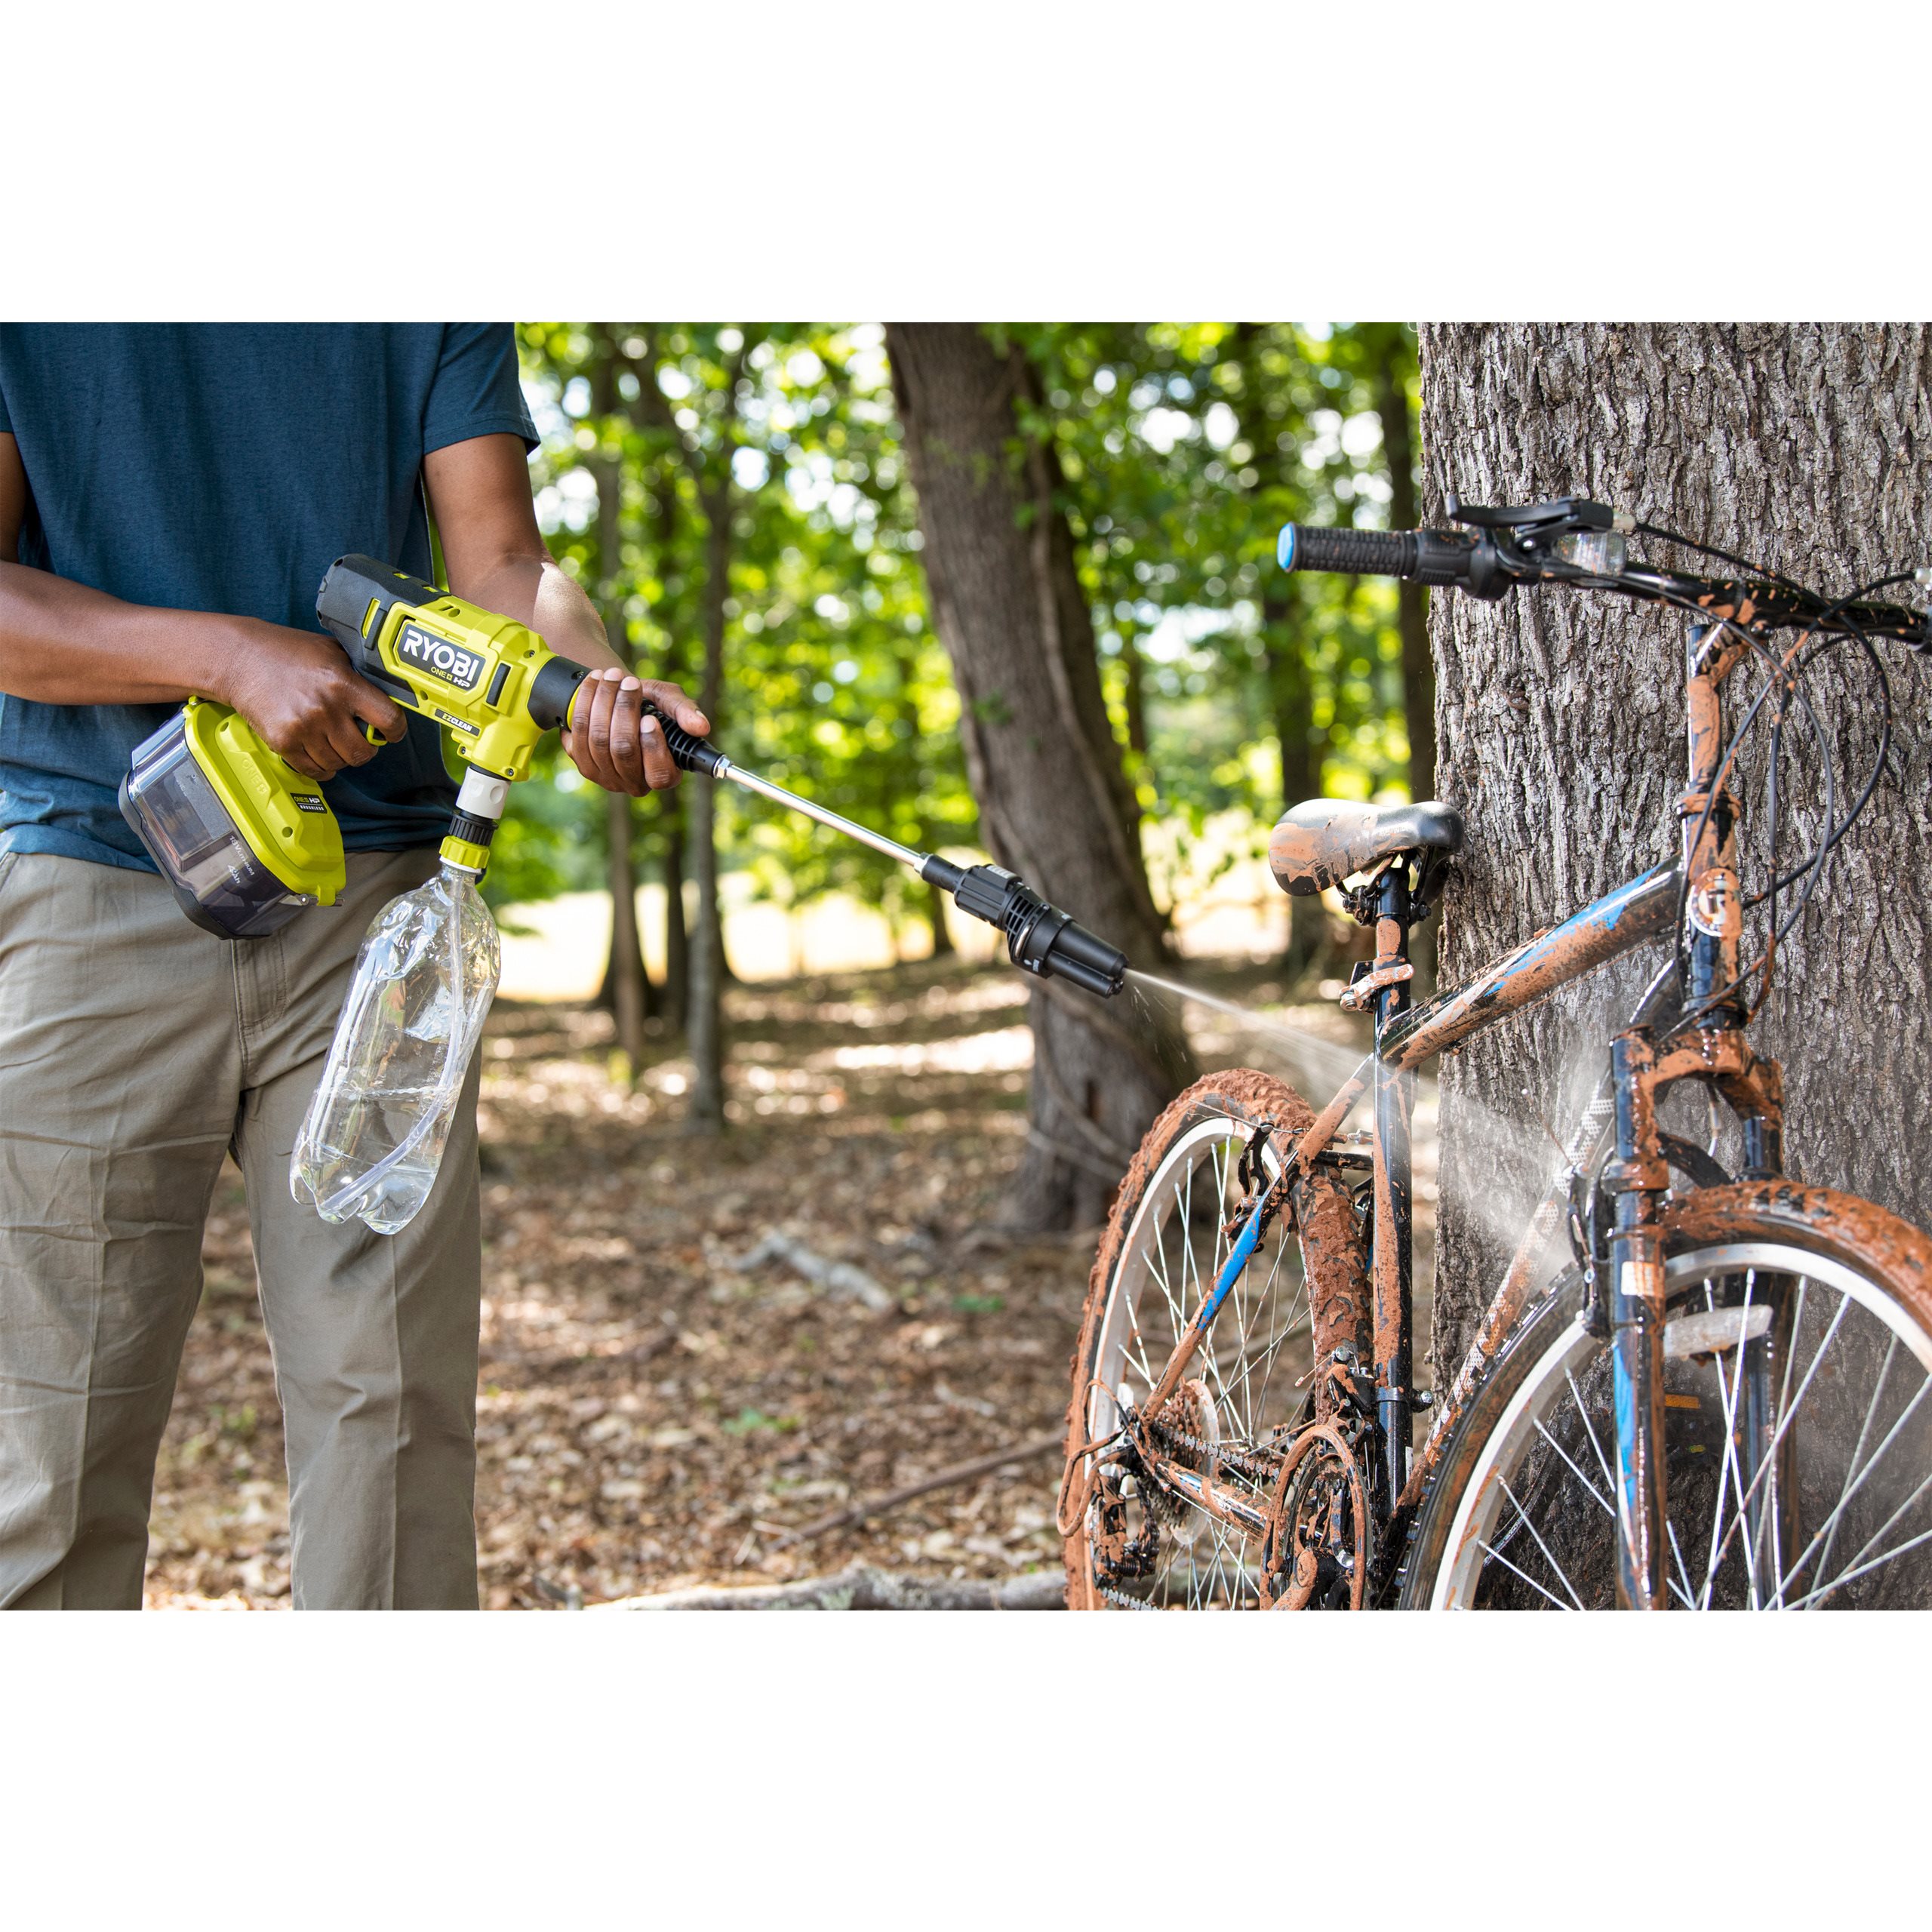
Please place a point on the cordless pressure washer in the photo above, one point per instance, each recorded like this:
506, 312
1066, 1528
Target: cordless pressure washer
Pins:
247, 842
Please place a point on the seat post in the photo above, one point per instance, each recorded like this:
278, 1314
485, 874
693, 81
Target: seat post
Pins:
1394, 1208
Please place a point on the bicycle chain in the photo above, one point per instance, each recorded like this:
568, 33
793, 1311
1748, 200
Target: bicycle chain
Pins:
1242, 1461
1160, 1507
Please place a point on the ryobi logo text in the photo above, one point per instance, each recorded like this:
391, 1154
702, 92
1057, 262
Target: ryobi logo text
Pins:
437, 655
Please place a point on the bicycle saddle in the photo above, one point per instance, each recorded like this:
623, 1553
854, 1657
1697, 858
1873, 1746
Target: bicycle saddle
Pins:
1320, 843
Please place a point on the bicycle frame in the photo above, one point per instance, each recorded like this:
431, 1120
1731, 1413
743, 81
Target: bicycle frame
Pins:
1636, 1176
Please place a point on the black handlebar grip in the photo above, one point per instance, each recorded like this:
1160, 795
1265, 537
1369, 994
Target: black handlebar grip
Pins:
1451, 557
1355, 552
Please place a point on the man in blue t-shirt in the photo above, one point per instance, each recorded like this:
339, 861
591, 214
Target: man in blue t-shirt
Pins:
170, 497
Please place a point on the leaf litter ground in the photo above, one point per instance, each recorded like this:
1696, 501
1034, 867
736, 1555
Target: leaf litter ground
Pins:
650, 1416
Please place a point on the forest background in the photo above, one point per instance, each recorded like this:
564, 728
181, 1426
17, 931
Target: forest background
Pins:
664, 1403
736, 498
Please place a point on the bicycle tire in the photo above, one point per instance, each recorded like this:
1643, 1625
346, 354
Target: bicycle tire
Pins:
1510, 1443
1220, 1111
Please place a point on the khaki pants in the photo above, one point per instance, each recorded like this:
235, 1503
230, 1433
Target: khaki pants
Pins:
135, 1051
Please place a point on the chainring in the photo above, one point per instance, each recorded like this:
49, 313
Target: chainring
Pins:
1320, 1548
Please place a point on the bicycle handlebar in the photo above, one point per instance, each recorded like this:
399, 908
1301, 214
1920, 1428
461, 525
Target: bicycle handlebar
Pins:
1446, 557
1490, 561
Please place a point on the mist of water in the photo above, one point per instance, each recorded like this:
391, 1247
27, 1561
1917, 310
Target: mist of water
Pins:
1315, 1053
1311, 1061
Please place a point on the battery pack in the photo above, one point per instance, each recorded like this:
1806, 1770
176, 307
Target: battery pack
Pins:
244, 840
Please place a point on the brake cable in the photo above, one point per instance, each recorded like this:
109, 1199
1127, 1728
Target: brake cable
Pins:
1814, 863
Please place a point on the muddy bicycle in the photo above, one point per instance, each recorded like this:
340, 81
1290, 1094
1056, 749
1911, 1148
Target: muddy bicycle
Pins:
1720, 1403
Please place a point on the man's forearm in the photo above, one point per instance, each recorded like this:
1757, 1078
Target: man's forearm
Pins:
64, 643
535, 591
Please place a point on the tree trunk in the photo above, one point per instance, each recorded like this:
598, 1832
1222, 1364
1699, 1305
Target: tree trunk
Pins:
1392, 404
670, 832
676, 1003
627, 988
1285, 663
1054, 804
704, 1010
1561, 731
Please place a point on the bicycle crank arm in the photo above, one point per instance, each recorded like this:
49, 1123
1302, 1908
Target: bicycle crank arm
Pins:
1040, 938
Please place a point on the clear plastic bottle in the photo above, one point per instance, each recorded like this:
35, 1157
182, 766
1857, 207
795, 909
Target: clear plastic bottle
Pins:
376, 1130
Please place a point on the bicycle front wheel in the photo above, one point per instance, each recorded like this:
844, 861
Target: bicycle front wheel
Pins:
1798, 1426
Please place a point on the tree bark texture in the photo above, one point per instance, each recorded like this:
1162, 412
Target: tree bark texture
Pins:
1054, 804
1560, 733
677, 939
626, 987
1392, 404
704, 1020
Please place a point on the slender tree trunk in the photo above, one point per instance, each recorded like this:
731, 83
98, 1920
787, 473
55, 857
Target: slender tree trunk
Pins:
704, 1020
704, 1010
669, 829
1054, 804
627, 986
1808, 448
1285, 664
704, 965
677, 939
1135, 669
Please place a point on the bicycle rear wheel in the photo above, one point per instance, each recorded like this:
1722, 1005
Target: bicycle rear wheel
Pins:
1130, 1542
1798, 1426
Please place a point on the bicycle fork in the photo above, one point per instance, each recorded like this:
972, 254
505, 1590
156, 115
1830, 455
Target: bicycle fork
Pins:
1637, 1176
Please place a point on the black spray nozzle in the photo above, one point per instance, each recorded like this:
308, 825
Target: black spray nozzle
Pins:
1040, 939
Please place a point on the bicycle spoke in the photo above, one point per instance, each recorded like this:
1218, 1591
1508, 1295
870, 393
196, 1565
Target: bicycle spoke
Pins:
1590, 1486
1683, 1589
1602, 1463
1562, 1575
1729, 1474
1877, 1456
1850, 1576
1497, 1555
1851, 1468
1838, 1387
1785, 1420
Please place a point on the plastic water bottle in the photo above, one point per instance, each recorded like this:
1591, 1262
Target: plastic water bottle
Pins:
376, 1130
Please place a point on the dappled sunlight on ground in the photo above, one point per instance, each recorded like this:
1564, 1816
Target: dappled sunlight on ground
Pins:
653, 1414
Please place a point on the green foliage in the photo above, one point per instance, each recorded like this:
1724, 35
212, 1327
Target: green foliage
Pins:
834, 684
1182, 448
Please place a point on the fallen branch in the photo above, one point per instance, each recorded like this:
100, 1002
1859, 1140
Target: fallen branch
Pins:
841, 1277
958, 1473
861, 1587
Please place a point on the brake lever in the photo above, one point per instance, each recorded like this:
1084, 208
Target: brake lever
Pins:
1550, 517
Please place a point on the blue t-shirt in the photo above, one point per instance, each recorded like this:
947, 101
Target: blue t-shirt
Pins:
224, 467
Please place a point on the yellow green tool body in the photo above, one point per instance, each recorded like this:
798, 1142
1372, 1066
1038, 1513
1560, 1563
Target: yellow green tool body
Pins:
247, 842
493, 682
